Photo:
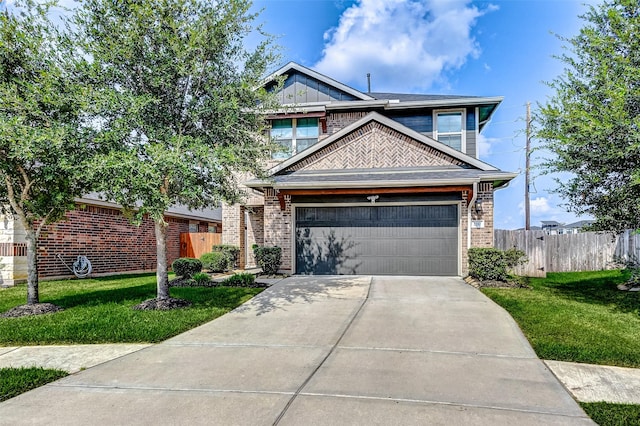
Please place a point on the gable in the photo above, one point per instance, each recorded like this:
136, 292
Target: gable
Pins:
375, 145
303, 85
299, 88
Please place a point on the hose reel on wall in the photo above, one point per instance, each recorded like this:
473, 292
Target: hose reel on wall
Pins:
81, 268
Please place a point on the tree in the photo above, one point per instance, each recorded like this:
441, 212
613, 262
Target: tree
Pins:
42, 140
592, 122
181, 101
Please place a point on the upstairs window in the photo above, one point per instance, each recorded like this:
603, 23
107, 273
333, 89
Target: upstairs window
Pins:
449, 128
294, 135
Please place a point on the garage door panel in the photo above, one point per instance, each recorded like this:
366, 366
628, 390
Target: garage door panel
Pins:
411, 240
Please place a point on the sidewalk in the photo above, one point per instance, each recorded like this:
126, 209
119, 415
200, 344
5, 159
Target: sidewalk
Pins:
586, 382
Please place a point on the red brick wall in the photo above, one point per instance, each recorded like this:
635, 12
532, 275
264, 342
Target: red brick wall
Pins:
107, 238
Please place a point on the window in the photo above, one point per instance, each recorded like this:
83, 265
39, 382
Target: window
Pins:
449, 129
294, 135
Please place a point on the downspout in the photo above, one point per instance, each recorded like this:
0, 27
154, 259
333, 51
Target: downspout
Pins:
469, 207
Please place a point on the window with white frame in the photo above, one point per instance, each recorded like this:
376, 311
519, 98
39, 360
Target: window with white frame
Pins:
294, 135
449, 128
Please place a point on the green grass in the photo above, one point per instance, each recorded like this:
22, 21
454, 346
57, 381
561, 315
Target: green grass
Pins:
606, 414
14, 381
100, 310
577, 316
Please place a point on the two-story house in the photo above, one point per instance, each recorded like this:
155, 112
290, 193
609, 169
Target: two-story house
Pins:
370, 183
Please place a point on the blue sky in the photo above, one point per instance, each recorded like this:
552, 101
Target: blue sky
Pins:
481, 48
484, 48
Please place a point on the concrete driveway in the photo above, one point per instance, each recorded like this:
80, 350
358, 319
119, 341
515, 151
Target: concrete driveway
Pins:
323, 351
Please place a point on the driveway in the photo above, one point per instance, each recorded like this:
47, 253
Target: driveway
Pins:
323, 351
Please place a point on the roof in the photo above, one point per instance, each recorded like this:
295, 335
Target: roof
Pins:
550, 223
179, 211
405, 97
580, 224
382, 178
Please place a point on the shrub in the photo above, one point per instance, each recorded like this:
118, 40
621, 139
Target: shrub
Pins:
215, 261
268, 258
232, 253
186, 266
243, 279
201, 278
493, 264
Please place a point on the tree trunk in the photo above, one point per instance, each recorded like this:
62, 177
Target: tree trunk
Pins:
33, 295
162, 275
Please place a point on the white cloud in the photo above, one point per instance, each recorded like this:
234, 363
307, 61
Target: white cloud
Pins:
400, 42
540, 205
484, 145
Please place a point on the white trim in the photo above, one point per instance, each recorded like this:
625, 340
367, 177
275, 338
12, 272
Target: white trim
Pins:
455, 102
477, 132
294, 206
463, 126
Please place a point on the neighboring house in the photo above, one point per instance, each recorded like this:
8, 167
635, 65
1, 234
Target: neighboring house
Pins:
370, 183
100, 231
551, 227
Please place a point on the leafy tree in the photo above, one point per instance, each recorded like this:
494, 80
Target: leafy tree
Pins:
41, 140
592, 123
181, 99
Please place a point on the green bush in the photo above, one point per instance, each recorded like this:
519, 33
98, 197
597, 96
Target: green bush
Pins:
231, 252
201, 278
240, 280
268, 258
493, 264
215, 261
186, 266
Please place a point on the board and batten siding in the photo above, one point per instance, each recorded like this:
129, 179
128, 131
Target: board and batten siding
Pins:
586, 251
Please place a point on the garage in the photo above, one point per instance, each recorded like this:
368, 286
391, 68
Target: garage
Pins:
377, 240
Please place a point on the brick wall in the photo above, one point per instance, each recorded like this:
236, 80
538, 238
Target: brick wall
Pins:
107, 238
255, 232
483, 237
338, 121
278, 226
480, 237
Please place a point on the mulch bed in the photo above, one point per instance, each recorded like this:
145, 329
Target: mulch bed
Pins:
27, 310
495, 284
162, 304
189, 282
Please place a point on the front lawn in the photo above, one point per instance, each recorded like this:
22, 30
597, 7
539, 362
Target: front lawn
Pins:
99, 310
606, 414
577, 316
14, 381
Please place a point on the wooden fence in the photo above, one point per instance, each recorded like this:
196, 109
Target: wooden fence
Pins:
587, 251
195, 244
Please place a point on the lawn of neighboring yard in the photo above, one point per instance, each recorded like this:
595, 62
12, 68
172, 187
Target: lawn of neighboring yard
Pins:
14, 381
577, 316
606, 414
99, 310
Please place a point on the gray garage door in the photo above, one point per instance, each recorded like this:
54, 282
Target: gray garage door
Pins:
377, 240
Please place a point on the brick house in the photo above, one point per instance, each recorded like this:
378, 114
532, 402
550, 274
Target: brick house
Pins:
370, 183
98, 230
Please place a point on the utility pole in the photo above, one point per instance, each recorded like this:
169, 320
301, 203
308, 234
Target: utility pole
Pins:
527, 211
